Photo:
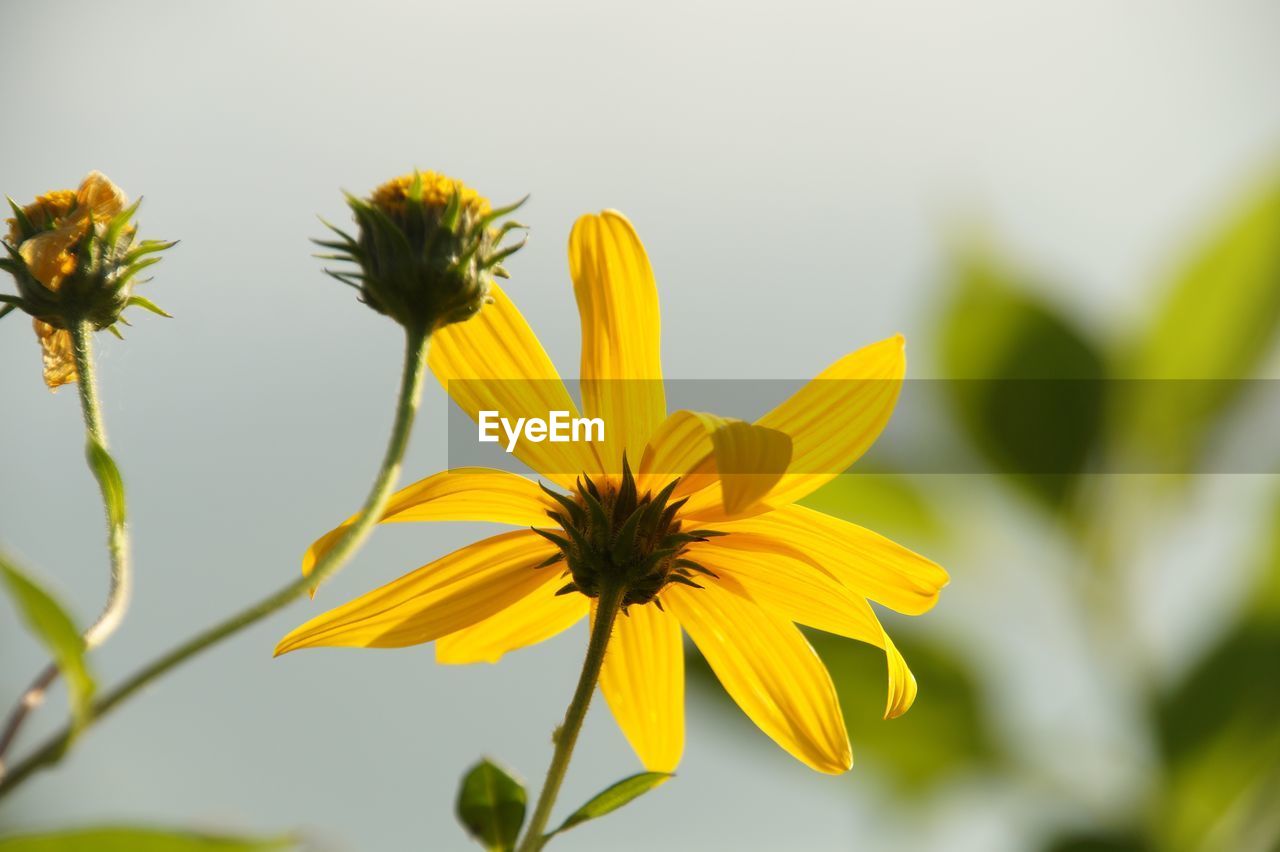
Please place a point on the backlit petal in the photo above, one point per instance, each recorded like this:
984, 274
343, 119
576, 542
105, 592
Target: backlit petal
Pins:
832, 421
618, 305
725, 466
533, 619
100, 196
56, 351
454, 592
46, 254
770, 670
462, 494
866, 562
782, 580
493, 362
643, 681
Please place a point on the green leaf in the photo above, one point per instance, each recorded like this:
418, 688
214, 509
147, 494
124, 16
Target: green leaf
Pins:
1100, 841
887, 503
108, 476
55, 629
148, 305
614, 797
1218, 734
131, 839
1217, 322
1025, 382
491, 805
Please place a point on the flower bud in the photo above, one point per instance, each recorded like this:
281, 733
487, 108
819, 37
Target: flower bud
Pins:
428, 249
75, 258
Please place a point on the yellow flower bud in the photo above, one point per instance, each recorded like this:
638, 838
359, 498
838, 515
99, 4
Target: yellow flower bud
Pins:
428, 248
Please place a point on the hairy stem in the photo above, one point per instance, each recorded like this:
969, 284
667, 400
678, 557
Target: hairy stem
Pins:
567, 735
406, 410
121, 585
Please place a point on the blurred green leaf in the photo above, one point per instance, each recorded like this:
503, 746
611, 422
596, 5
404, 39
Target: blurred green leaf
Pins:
132, 839
1026, 383
614, 797
944, 732
1217, 322
55, 629
1218, 732
491, 805
888, 503
1100, 842
108, 475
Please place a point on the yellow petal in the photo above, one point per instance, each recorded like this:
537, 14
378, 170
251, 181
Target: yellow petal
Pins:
747, 460
461, 494
768, 667
618, 305
782, 580
902, 683
832, 421
454, 592
493, 362
56, 350
533, 619
705, 450
46, 254
866, 562
100, 196
643, 681
679, 445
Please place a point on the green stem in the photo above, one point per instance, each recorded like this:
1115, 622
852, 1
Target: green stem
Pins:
121, 585
406, 409
567, 735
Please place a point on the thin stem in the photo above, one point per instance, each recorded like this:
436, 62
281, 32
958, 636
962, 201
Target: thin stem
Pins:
121, 585
567, 735
406, 409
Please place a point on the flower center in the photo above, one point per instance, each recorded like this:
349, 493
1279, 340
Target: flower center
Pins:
615, 536
436, 191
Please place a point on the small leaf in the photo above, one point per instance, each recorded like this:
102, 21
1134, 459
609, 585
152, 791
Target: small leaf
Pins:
55, 629
614, 797
491, 805
1218, 321
148, 305
132, 839
1026, 383
108, 476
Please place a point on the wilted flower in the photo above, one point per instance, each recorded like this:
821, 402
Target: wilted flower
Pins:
75, 259
428, 249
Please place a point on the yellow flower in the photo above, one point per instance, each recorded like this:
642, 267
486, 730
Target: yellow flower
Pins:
60, 279
724, 553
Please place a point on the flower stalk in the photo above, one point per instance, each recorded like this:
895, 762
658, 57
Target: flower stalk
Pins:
566, 737
417, 341
121, 586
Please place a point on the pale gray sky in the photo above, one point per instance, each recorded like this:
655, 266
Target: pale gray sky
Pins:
792, 168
